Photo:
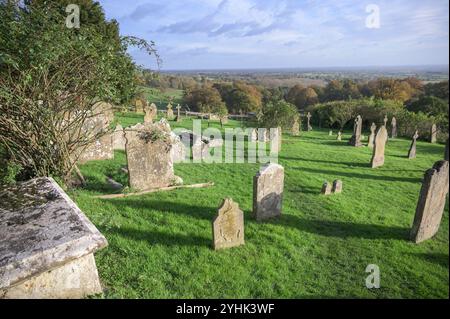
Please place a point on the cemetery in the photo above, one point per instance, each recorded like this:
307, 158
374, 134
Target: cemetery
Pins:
112, 189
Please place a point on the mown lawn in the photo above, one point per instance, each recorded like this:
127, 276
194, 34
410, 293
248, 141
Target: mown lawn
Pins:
160, 243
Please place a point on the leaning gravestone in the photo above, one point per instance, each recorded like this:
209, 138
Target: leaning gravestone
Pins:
373, 128
119, 140
47, 244
268, 185
394, 127
96, 128
433, 134
355, 140
379, 148
431, 204
149, 155
412, 148
228, 226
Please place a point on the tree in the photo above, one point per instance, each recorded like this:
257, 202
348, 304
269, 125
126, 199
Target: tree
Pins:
278, 114
429, 105
439, 89
50, 78
302, 97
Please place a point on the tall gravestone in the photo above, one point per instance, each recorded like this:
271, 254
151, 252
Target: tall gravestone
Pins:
47, 244
431, 203
355, 140
433, 133
308, 122
119, 140
394, 127
295, 127
385, 120
379, 148
268, 185
412, 148
169, 112
228, 226
373, 129
178, 113
149, 155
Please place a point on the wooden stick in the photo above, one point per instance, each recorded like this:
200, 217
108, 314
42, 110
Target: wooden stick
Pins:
154, 190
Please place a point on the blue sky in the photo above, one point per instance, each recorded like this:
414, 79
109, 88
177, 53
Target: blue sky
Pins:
217, 34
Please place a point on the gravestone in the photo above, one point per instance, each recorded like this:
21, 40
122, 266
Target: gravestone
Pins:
379, 148
119, 140
169, 112
431, 203
339, 136
254, 135
433, 134
47, 244
394, 127
268, 185
337, 187
330, 133
96, 128
178, 113
355, 140
385, 120
373, 128
412, 148
308, 123
149, 156
296, 127
200, 148
326, 188
275, 137
178, 151
228, 226
151, 113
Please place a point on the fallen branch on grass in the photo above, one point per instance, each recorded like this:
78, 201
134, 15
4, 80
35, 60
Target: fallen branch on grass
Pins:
154, 190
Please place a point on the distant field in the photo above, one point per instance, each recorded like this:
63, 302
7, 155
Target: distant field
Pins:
160, 244
161, 99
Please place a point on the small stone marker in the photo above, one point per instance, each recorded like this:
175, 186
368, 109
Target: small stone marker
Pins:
149, 155
385, 120
296, 127
339, 136
394, 127
433, 134
326, 188
308, 123
412, 149
337, 187
431, 203
119, 140
150, 113
169, 112
330, 133
355, 140
178, 113
379, 148
228, 226
47, 244
373, 129
268, 185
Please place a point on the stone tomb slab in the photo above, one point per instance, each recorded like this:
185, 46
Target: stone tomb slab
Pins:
46, 244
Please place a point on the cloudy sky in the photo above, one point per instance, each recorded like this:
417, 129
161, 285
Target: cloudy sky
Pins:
218, 34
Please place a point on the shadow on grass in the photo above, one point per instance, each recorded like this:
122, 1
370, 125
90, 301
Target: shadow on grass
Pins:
160, 238
436, 258
361, 176
320, 227
350, 164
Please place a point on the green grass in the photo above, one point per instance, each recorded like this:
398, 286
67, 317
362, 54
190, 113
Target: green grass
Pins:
160, 243
161, 99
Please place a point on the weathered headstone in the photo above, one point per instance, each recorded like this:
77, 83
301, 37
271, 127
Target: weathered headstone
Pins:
394, 127
412, 148
178, 151
379, 148
385, 120
308, 123
228, 226
169, 112
96, 128
433, 134
47, 244
149, 155
178, 113
326, 188
150, 113
355, 140
337, 187
200, 149
119, 140
431, 203
339, 136
373, 128
268, 185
